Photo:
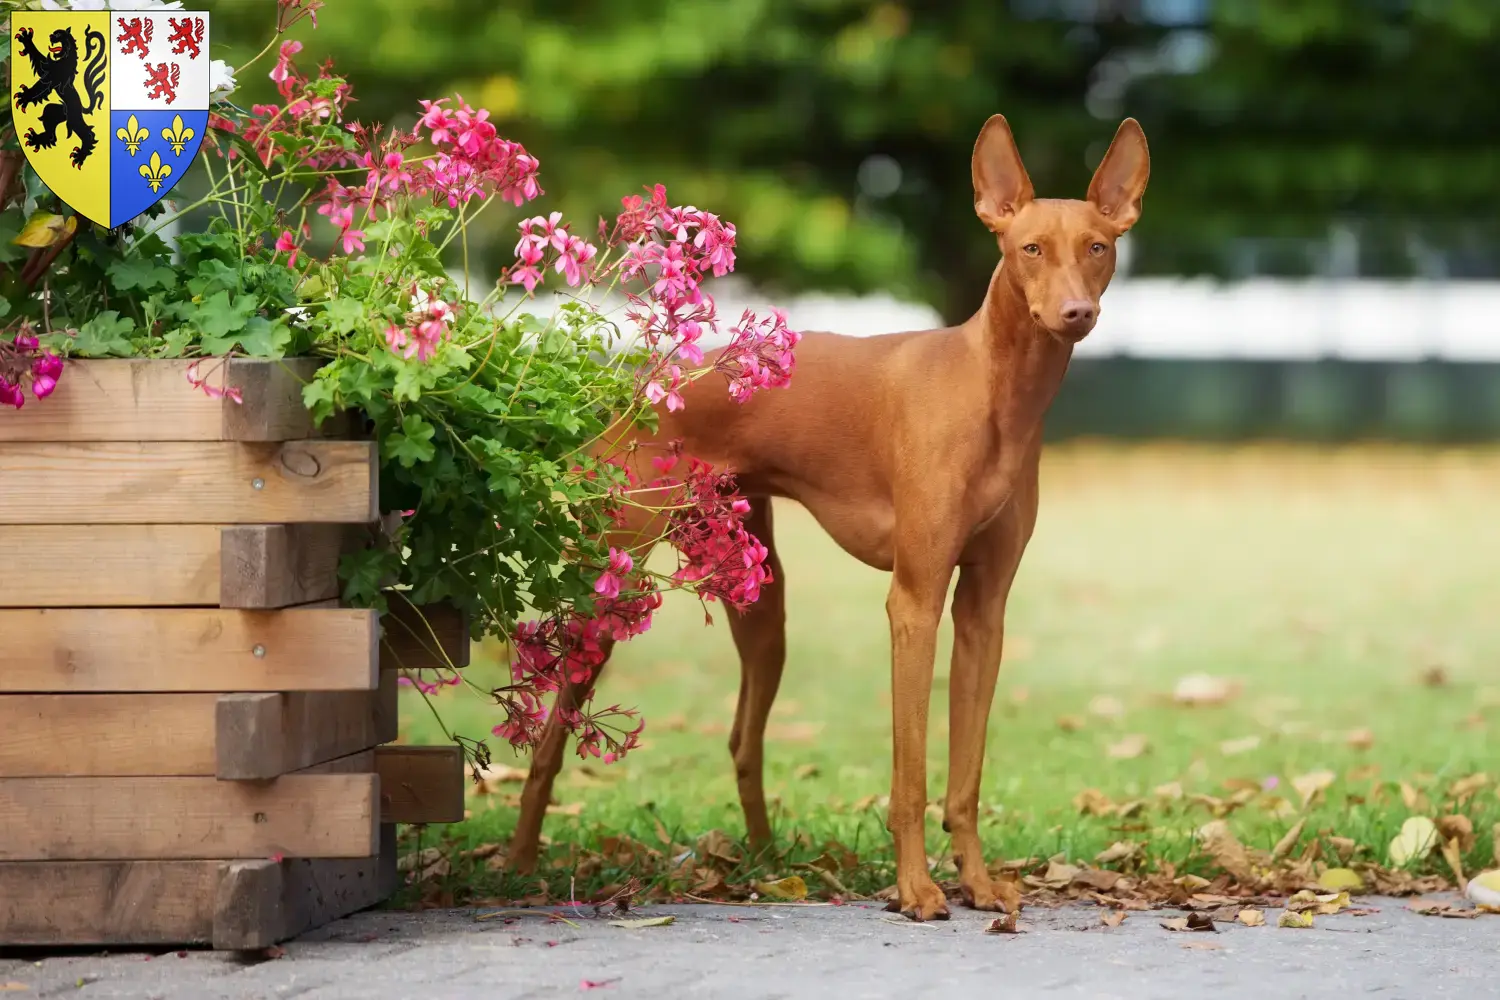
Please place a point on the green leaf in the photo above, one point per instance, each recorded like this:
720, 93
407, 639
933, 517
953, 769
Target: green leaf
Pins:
343, 315
219, 319
106, 335
411, 444
263, 338
213, 276
140, 272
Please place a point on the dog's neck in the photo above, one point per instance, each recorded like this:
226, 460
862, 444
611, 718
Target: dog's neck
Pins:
1026, 362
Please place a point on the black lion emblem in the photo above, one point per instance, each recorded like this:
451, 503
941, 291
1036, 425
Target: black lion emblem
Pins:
58, 74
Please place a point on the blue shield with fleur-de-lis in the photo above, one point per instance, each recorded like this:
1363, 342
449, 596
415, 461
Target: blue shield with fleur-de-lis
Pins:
111, 106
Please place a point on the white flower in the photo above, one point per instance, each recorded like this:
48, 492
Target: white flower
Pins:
220, 80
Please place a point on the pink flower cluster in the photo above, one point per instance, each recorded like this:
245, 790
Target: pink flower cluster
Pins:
760, 356
559, 653
667, 253
719, 558
472, 160
426, 327
24, 359
537, 236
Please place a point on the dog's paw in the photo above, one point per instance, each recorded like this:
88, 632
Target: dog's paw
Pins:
921, 901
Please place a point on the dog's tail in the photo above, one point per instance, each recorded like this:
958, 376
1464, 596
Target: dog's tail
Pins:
93, 75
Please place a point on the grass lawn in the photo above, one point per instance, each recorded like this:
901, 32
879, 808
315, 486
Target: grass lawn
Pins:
1350, 593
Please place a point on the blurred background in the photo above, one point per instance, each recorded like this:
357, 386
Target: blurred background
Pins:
1318, 256
1299, 363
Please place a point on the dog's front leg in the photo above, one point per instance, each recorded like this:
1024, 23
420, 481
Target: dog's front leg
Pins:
915, 604
978, 631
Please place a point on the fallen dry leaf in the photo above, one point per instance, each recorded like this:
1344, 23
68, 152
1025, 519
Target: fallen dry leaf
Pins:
1418, 837
793, 732
1341, 880
1222, 845
1484, 890
1171, 790
636, 924
1285, 845
1243, 744
1112, 918
1092, 802
1200, 946
1069, 723
1454, 857
1129, 747
1118, 852
1191, 922
1457, 827
1464, 788
805, 771
1435, 908
13, 987
1106, 707
1434, 676
1323, 904
1359, 739
1251, 917
1414, 800
1204, 689
1003, 925
1291, 918
1310, 785
789, 889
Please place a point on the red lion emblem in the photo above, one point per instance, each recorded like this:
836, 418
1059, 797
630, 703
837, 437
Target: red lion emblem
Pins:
187, 33
135, 35
160, 84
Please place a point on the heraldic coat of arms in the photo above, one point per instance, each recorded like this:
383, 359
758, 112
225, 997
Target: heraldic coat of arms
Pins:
110, 106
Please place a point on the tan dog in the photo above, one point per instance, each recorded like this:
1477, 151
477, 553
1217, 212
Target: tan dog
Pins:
918, 453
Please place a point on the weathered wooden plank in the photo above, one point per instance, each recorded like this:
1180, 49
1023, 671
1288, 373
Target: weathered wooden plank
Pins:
108, 565
418, 784
161, 565
152, 400
188, 649
423, 638
47, 735
271, 407
105, 819
421, 784
173, 482
248, 905
261, 902
278, 565
261, 736
55, 903
107, 902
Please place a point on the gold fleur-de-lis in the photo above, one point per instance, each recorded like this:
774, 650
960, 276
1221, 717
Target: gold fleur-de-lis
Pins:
177, 135
156, 171
132, 135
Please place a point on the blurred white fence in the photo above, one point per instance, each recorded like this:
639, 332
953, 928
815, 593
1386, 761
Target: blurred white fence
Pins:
1192, 318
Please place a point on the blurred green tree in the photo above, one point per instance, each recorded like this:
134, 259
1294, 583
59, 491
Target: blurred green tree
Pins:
836, 133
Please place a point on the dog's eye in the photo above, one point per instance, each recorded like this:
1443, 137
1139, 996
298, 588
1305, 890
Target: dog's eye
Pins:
1032, 250
1097, 249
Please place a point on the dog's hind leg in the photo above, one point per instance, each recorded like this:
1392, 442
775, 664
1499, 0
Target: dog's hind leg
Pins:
760, 636
546, 761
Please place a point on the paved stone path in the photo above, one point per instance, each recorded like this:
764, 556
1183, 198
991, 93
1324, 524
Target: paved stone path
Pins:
827, 953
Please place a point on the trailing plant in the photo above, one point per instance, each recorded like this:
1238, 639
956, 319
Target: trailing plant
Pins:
312, 233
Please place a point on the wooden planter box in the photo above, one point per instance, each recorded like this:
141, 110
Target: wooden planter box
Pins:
190, 724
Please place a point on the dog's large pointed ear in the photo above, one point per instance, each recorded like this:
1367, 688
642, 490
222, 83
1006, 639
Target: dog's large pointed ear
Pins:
1001, 187
1121, 178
